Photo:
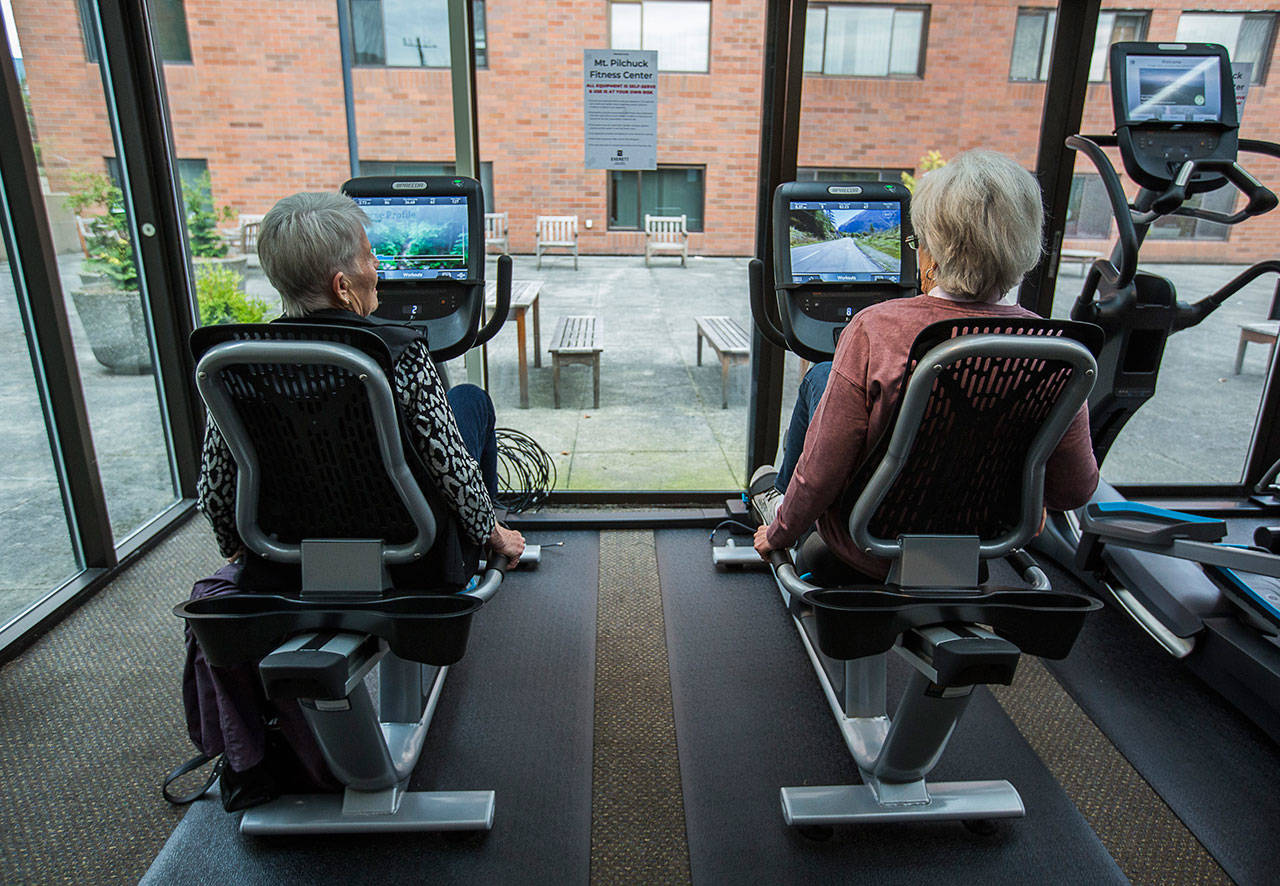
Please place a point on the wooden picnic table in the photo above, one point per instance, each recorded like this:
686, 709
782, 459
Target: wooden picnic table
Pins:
524, 296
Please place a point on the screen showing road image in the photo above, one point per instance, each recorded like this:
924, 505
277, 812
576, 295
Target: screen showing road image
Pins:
846, 242
1173, 88
418, 238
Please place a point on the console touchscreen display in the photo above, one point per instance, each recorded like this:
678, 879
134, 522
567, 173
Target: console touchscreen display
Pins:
1173, 88
846, 242
418, 238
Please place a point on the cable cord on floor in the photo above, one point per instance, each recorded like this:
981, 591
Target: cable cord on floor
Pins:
526, 473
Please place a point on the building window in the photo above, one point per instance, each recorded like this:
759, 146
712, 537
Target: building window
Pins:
191, 173
168, 18
865, 41
1033, 41
1248, 36
820, 174
1088, 209
409, 33
680, 30
1177, 227
668, 190
409, 167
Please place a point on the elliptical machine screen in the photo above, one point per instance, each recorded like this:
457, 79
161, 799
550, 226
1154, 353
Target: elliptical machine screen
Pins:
1173, 88
418, 238
846, 241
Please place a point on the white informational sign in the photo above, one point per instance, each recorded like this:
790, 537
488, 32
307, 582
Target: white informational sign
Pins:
620, 105
1241, 74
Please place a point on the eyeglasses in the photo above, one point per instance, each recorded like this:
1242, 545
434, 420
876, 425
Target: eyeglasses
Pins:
912, 242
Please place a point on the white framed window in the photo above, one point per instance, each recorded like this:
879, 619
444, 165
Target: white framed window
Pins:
409, 33
1033, 41
1248, 36
848, 174
861, 40
680, 30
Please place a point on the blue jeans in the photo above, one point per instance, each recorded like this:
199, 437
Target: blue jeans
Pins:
807, 399
473, 411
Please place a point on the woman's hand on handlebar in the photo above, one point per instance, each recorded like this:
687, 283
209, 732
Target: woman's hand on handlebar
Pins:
507, 542
761, 542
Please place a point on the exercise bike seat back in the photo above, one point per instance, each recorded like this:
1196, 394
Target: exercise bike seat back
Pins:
959, 480
328, 498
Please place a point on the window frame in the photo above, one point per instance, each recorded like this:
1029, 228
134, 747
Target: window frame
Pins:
1260, 73
927, 13
639, 180
641, 4
479, 40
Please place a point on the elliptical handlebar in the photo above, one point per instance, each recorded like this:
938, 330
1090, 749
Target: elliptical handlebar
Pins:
1119, 278
759, 310
503, 306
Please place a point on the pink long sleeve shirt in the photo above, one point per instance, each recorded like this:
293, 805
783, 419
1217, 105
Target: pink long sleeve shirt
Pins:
862, 393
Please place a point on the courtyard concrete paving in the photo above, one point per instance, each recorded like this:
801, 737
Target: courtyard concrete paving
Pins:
659, 425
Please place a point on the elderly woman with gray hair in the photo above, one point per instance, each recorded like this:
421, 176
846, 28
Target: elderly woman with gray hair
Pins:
978, 222
314, 250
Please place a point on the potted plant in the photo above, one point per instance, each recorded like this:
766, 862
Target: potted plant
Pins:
207, 243
109, 302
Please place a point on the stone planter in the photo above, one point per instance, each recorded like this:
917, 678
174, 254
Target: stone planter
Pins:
237, 263
117, 331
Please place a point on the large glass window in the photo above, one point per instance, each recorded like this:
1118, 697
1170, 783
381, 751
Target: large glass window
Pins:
1033, 41
168, 19
667, 190
409, 33
857, 40
680, 30
1248, 36
92, 232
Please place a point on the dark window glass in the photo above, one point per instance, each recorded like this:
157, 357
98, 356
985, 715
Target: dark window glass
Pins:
169, 22
667, 190
862, 40
410, 167
1088, 209
409, 33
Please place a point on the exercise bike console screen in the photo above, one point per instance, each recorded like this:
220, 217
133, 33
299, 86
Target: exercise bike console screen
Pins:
1173, 88
427, 235
418, 238
845, 241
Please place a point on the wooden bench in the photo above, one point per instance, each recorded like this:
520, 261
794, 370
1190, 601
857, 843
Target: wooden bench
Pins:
495, 231
1083, 258
731, 345
1263, 333
576, 340
666, 234
556, 232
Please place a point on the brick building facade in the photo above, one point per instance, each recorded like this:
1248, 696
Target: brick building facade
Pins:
260, 101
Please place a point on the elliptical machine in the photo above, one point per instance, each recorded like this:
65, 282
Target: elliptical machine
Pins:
1177, 133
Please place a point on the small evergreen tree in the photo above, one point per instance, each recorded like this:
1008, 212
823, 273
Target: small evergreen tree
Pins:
203, 218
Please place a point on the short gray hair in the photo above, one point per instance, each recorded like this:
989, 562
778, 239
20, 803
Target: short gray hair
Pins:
303, 241
981, 218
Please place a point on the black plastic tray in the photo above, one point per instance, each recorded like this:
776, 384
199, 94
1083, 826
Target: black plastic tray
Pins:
855, 622
237, 628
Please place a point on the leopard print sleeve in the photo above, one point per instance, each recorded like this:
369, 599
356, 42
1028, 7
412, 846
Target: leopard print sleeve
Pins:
436, 438
216, 489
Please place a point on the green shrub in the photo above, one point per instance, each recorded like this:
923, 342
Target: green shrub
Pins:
110, 253
222, 300
203, 218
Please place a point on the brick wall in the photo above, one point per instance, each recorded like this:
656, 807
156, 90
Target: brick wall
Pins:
262, 102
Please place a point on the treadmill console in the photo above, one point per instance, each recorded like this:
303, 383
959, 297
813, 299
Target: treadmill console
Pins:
427, 234
1173, 102
838, 248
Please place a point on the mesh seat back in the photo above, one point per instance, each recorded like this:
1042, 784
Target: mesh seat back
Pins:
974, 463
